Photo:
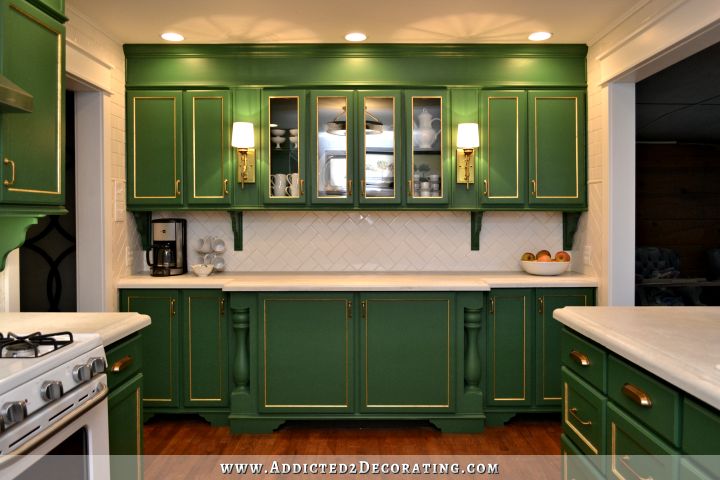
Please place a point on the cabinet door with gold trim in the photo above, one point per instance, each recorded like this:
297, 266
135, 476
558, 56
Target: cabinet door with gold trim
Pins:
32, 145
208, 154
205, 348
154, 148
556, 136
503, 177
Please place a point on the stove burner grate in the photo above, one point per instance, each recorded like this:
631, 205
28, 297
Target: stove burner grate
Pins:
13, 346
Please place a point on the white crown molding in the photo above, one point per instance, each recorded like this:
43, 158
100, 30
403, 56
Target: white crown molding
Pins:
618, 21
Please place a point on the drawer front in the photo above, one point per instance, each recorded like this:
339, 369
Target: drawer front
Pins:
635, 452
646, 399
574, 464
124, 360
701, 435
584, 358
583, 418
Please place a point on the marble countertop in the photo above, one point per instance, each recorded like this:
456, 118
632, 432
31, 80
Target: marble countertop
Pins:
355, 281
678, 344
111, 326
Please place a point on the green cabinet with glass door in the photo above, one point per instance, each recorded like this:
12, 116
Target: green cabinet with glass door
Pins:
185, 350
32, 144
523, 349
178, 148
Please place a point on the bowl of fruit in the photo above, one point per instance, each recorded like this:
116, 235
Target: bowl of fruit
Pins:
541, 263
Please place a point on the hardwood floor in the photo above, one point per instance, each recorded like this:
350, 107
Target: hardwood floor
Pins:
186, 435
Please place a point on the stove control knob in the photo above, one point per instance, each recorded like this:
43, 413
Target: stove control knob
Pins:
12, 413
51, 390
82, 373
97, 365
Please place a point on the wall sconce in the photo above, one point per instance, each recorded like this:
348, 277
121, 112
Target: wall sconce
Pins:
468, 139
243, 138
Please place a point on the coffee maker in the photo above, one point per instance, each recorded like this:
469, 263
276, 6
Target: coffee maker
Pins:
169, 250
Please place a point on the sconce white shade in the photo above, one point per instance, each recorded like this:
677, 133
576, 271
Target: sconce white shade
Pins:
468, 135
243, 135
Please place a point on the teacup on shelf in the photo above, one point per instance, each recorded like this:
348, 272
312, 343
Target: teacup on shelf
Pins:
278, 141
278, 132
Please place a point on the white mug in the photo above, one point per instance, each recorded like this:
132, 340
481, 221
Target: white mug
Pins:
219, 264
218, 245
209, 258
204, 244
424, 186
278, 182
293, 188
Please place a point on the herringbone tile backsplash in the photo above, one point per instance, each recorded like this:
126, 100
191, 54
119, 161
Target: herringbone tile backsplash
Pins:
375, 241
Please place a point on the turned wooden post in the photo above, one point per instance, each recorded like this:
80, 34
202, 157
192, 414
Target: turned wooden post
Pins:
473, 319
241, 365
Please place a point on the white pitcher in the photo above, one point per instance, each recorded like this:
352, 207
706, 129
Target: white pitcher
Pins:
423, 134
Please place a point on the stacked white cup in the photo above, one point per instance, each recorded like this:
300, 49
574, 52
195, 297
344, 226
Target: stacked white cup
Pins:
210, 249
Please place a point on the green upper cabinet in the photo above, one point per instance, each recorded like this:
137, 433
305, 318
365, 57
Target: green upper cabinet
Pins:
205, 348
556, 138
406, 345
427, 149
208, 159
154, 148
32, 145
503, 165
282, 152
331, 144
379, 147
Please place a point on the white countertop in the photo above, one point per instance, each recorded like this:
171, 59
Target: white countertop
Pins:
678, 344
111, 326
359, 281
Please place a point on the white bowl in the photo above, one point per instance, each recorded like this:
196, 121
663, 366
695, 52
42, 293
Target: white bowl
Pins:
278, 132
201, 269
293, 132
544, 268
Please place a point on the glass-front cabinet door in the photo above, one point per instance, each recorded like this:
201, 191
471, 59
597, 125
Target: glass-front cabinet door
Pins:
379, 169
283, 147
428, 167
332, 150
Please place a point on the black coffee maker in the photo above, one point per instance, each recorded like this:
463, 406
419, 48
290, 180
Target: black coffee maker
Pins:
169, 250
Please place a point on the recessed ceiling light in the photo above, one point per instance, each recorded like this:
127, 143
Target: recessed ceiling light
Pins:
355, 37
539, 36
172, 37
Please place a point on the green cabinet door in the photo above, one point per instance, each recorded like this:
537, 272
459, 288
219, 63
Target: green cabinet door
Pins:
547, 338
509, 347
503, 168
205, 349
125, 429
406, 345
154, 148
160, 343
32, 145
556, 138
208, 154
306, 344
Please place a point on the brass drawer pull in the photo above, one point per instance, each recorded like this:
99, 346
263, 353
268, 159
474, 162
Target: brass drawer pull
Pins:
172, 307
485, 187
349, 188
362, 187
624, 460
122, 364
637, 395
533, 190
177, 187
580, 358
11, 182
302, 187
492, 305
573, 411
222, 307
226, 191
541, 305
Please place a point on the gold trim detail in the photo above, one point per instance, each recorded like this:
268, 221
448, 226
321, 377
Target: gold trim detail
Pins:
394, 154
366, 316
219, 350
59, 109
411, 193
577, 147
170, 342
175, 179
566, 409
222, 146
524, 388
489, 195
269, 146
139, 432
347, 353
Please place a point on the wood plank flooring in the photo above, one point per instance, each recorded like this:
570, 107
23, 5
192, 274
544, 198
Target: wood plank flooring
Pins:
186, 435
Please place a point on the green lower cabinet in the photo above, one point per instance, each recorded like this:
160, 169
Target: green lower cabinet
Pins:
125, 429
701, 435
306, 360
406, 351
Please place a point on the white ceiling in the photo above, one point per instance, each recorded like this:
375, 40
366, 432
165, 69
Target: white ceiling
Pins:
327, 21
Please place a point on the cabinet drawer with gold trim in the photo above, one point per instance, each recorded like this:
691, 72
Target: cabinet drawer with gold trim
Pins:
575, 465
636, 453
645, 398
583, 417
584, 358
124, 359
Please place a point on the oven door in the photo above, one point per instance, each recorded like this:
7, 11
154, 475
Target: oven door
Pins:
77, 447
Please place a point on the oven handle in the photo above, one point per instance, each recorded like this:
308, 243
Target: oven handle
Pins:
15, 455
